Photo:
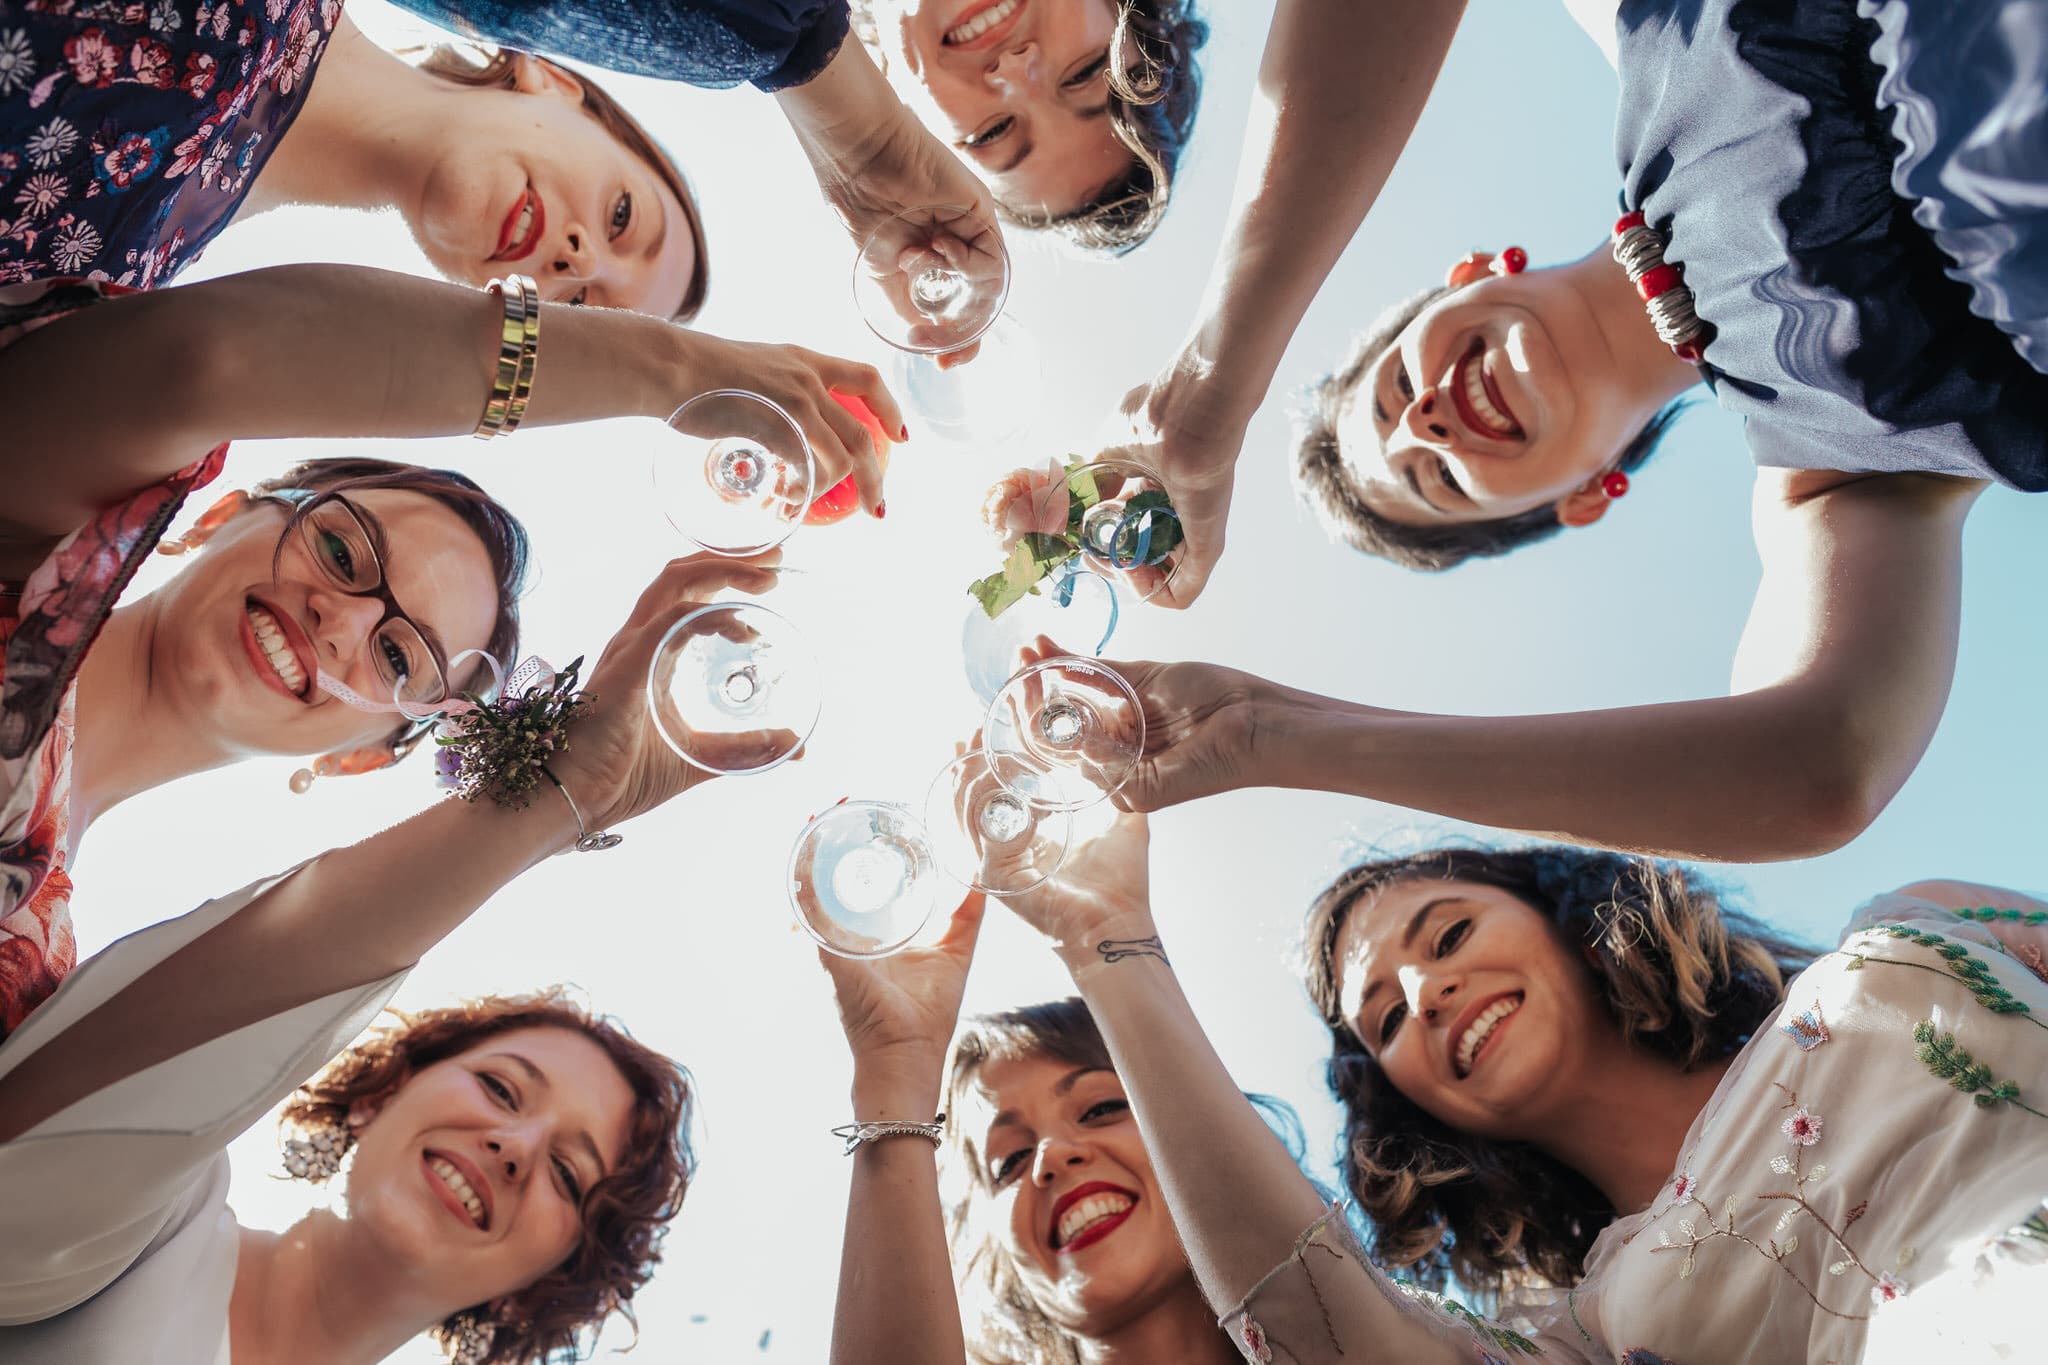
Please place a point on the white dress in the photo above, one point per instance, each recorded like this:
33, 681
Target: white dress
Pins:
116, 1241
1866, 1183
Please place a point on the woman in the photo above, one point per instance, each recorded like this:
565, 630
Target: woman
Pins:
1536, 1046
1059, 1235
515, 1160
1074, 112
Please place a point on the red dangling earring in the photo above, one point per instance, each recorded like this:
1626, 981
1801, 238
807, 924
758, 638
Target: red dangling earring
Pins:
1614, 483
1512, 261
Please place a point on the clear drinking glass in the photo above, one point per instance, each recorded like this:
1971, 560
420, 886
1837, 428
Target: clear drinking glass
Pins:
985, 835
737, 474
1064, 733
735, 688
862, 878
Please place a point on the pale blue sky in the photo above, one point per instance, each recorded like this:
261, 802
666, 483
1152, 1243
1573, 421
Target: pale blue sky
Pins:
683, 931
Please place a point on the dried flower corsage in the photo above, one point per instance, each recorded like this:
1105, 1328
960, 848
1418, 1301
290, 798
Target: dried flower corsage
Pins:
1043, 518
500, 748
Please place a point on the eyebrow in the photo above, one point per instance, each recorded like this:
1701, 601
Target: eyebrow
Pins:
1415, 922
1060, 1089
381, 543
540, 1078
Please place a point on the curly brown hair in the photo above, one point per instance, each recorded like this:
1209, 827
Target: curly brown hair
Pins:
625, 1215
1685, 978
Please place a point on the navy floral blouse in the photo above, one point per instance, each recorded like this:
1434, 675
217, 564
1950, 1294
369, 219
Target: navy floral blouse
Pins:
130, 130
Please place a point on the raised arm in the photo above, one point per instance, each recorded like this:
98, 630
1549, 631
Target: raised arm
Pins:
359, 914
344, 351
1842, 677
1340, 89
1239, 1202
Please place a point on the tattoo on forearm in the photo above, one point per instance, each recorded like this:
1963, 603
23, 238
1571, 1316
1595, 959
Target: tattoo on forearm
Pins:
1117, 949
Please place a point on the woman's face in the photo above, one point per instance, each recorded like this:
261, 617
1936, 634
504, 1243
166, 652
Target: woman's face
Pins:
529, 183
1495, 400
472, 1172
239, 649
1082, 1218
1469, 999
1016, 87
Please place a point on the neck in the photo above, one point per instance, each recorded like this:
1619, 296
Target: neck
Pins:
315, 1294
1643, 367
130, 736
355, 143
1624, 1127
1178, 1330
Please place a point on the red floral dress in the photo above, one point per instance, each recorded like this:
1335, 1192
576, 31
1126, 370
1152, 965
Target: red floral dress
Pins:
46, 626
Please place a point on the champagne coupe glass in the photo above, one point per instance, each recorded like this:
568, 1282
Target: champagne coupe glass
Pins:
931, 280
1065, 733
737, 475
1075, 606
1129, 531
734, 688
863, 879
986, 835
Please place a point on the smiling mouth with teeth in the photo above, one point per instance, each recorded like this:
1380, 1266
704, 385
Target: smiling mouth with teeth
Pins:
1089, 1214
460, 1188
981, 23
1480, 1030
1480, 403
270, 638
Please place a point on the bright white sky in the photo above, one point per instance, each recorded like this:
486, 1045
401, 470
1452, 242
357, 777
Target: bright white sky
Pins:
683, 931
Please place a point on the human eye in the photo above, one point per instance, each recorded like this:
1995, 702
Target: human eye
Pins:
1452, 936
570, 1184
1403, 382
1390, 1023
576, 299
334, 550
1009, 1165
1089, 72
990, 135
397, 663
622, 214
499, 1090
1443, 471
1106, 1109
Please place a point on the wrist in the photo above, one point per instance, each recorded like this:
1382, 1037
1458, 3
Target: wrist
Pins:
849, 94
896, 1085
1128, 941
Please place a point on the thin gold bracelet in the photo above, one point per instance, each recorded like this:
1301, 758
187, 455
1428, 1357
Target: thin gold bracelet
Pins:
512, 353
529, 351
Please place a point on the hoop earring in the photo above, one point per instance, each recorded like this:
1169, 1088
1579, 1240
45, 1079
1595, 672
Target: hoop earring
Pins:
317, 1155
473, 1338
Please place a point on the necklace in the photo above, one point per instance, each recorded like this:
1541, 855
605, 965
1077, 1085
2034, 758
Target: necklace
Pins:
1639, 249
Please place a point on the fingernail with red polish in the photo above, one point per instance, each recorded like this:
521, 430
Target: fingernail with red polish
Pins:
881, 510
903, 432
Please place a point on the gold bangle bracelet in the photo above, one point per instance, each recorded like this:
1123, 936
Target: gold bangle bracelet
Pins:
511, 350
529, 351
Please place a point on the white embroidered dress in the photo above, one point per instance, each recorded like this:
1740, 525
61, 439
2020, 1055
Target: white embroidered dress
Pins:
116, 1240
1860, 1187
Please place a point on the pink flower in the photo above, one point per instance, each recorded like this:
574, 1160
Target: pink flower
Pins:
1025, 500
1255, 1345
153, 63
93, 59
1803, 1127
1888, 1289
1682, 1187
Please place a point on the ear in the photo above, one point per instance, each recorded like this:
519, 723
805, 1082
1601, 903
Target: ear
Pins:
1475, 266
1584, 505
363, 1111
533, 75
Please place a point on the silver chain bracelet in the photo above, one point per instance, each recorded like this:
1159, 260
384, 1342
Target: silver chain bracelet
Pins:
857, 1133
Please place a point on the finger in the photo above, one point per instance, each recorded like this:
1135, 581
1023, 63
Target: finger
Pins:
864, 464
959, 357
865, 383
683, 583
965, 925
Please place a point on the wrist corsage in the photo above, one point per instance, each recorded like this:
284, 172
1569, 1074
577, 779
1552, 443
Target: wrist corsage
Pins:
500, 749
1047, 519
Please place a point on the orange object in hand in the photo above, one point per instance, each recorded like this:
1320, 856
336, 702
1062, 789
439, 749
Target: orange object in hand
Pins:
842, 499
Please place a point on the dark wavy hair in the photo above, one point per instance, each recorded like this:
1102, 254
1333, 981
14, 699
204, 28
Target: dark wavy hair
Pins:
1005, 1325
491, 67
503, 536
1320, 480
625, 1215
1685, 978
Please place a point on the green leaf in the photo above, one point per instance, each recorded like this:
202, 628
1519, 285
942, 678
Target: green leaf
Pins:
1166, 532
997, 594
1034, 556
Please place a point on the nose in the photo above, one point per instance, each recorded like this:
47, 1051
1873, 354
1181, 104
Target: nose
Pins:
1430, 994
1423, 419
1056, 1154
342, 621
508, 1155
573, 256
1016, 70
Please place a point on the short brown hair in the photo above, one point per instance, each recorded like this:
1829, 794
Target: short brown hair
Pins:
1685, 978
625, 1215
1320, 480
494, 67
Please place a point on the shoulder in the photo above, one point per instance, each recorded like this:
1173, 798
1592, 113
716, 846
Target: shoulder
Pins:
1797, 508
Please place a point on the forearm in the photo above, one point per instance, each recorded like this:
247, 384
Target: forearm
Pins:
1756, 777
1238, 1200
1340, 89
296, 351
846, 101
352, 916
896, 1299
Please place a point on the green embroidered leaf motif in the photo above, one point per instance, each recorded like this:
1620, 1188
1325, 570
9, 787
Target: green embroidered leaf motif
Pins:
1941, 1055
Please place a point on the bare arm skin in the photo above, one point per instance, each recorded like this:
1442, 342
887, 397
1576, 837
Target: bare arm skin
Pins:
329, 350
1841, 678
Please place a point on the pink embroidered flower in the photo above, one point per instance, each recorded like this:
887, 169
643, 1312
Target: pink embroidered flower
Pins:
1027, 500
1888, 1289
300, 48
185, 157
1256, 1347
1803, 1127
93, 59
153, 64
1682, 1188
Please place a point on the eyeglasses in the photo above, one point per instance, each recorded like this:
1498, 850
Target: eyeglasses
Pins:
338, 537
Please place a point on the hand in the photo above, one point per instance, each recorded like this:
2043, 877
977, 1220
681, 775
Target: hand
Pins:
1208, 729
1103, 890
901, 1010
616, 764
1182, 428
801, 383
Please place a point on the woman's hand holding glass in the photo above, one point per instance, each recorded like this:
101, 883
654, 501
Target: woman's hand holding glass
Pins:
899, 1011
1208, 729
1098, 907
616, 765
